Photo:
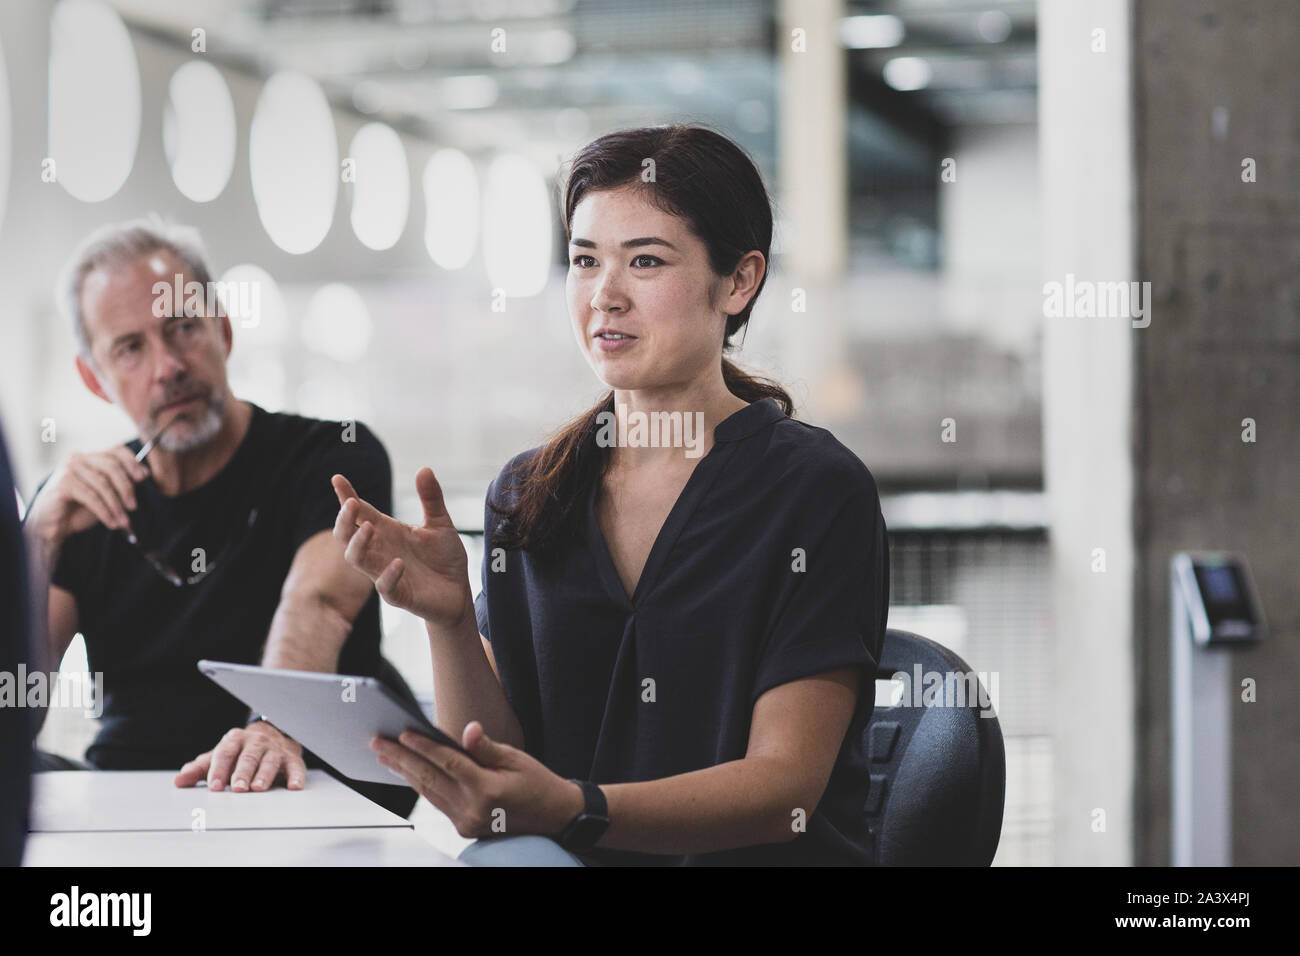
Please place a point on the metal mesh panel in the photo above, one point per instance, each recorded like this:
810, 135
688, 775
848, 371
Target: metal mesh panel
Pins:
986, 594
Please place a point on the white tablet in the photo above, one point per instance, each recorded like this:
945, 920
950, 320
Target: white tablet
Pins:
333, 715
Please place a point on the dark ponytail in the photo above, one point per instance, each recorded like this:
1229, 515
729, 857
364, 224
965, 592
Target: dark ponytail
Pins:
705, 179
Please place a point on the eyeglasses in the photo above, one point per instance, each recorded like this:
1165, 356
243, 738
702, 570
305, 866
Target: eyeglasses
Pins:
154, 557
160, 564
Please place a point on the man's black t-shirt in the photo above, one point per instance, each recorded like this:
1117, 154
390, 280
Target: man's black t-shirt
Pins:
245, 525
772, 566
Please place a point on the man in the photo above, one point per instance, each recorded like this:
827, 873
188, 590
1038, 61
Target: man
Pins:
218, 545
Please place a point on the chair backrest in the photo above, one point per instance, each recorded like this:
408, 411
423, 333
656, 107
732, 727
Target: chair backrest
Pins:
938, 772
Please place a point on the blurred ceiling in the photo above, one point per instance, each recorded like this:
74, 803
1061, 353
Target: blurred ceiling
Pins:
978, 59
435, 68
571, 69
568, 65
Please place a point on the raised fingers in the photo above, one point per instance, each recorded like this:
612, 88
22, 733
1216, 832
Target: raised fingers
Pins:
361, 555
345, 525
431, 498
343, 489
386, 583
365, 511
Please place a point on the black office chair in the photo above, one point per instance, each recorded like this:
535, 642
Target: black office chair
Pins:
938, 773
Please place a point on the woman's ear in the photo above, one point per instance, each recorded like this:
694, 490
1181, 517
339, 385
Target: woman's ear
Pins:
744, 281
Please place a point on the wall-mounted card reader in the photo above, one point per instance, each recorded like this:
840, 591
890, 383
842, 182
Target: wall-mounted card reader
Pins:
1213, 608
1218, 597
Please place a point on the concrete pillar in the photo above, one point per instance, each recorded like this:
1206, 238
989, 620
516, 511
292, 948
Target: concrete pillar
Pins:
1085, 116
1169, 157
811, 204
813, 102
1218, 201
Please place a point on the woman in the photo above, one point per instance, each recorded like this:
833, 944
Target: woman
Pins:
672, 658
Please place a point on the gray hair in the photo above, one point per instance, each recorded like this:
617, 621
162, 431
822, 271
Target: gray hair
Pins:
120, 244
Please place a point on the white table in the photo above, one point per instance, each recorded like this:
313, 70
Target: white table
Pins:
139, 818
70, 800
338, 846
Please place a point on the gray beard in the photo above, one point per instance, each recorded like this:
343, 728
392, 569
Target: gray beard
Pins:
202, 433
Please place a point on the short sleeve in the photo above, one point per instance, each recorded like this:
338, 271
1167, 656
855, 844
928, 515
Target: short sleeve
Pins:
490, 522
69, 571
832, 609
349, 449
69, 567
481, 613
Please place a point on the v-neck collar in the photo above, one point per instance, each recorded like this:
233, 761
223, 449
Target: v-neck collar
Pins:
740, 424
746, 421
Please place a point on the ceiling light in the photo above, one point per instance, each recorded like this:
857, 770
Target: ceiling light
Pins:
871, 32
908, 73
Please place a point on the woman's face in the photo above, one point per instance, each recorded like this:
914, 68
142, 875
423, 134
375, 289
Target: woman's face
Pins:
636, 270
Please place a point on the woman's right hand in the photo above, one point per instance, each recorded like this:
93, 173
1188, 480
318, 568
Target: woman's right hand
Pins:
422, 569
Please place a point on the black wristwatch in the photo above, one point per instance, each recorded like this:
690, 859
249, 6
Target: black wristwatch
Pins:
590, 825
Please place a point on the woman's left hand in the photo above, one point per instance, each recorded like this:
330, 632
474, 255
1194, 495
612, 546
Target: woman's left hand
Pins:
501, 791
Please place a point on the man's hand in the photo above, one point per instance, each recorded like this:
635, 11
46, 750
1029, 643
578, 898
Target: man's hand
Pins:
422, 569
88, 488
252, 757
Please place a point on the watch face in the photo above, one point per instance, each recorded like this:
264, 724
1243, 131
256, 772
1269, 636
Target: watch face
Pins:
587, 829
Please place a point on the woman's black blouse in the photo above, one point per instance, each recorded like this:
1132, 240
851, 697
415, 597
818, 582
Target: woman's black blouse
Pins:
772, 566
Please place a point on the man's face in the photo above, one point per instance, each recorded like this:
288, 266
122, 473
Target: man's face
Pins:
162, 369
664, 293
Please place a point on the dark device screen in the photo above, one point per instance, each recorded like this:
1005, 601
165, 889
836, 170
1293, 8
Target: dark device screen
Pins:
1224, 591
